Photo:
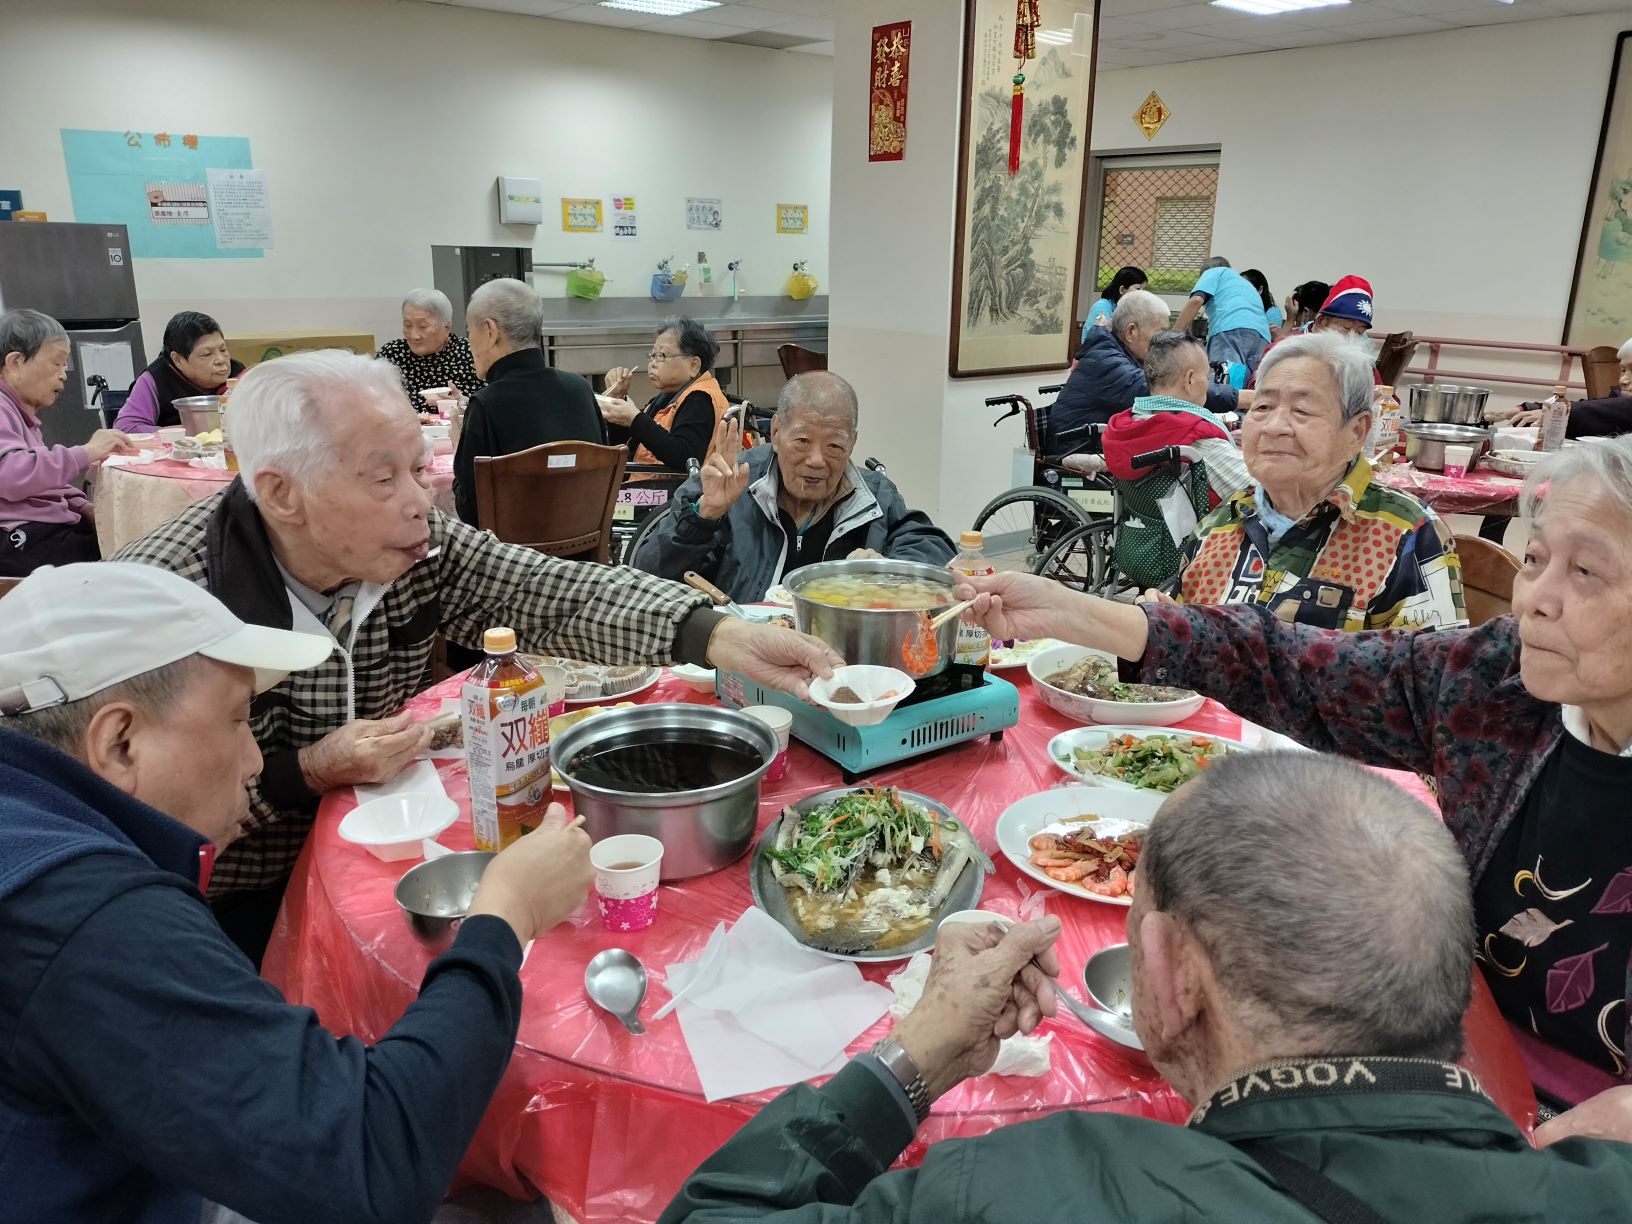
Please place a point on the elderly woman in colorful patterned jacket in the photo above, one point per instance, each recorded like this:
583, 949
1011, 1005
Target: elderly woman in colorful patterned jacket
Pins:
1524, 723
1317, 540
330, 529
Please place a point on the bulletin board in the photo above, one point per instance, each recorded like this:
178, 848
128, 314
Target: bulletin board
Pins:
157, 185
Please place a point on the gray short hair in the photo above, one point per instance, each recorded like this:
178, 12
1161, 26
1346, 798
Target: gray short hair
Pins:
1607, 462
278, 419
823, 393
1138, 307
1217, 261
64, 726
432, 302
27, 332
1168, 355
1348, 358
511, 304
1624, 353
1335, 908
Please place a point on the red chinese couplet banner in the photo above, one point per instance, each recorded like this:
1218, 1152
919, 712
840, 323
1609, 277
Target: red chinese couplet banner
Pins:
887, 110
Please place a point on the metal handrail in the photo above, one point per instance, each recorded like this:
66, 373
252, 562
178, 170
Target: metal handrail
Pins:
1567, 355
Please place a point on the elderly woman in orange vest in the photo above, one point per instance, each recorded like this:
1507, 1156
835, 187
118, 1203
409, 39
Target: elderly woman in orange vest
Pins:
679, 422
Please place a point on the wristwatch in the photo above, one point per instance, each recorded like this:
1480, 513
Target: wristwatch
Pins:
899, 1064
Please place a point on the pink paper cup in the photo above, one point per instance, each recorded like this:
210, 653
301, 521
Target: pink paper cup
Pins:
626, 871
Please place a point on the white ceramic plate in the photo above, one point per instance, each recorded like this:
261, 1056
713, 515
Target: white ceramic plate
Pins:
1094, 709
1009, 657
655, 674
1120, 812
1059, 750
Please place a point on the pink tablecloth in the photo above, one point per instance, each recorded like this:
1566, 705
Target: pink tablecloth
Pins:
1478, 492
608, 1125
133, 499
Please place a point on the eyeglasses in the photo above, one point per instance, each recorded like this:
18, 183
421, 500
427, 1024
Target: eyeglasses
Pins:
662, 357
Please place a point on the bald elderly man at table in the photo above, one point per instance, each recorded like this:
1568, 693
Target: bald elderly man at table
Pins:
144, 1065
331, 529
1322, 1068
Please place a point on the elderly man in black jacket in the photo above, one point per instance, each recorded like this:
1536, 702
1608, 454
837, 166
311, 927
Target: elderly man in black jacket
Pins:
527, 402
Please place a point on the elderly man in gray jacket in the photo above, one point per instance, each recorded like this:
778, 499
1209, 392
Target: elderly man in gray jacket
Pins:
811, 504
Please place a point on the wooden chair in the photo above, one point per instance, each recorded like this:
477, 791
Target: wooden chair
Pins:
557, 499
8, 585
1395, 354
796, 360
1602, 369
1488, 571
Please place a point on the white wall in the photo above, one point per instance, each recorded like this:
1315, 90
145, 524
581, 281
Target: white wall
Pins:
382, 125
1451, 170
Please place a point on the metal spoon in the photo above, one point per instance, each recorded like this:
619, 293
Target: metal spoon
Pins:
616, 982
1106, 1024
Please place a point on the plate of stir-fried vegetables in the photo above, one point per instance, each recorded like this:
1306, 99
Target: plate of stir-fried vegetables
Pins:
1141, 758
866, 873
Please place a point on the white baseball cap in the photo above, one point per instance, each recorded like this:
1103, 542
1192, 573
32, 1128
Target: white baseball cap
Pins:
68, 632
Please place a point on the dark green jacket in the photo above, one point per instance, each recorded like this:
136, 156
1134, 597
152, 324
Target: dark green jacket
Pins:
1434, 1155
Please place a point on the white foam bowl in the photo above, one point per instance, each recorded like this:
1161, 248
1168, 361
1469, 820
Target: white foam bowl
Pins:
869, 682
1095, 709
431, 394
392, 828
698, 679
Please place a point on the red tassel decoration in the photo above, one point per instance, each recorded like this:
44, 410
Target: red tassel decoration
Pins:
1026, 21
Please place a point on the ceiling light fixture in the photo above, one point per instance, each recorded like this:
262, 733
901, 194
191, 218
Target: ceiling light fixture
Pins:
663, 8
1274, 8
1055, 38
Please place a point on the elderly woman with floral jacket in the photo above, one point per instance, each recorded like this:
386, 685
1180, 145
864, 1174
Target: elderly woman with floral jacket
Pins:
1524, 724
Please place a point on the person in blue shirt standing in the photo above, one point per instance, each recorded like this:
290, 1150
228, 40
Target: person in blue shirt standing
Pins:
1237, 327
1125, 280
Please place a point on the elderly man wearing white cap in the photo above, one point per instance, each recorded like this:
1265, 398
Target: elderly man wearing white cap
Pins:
144, 1066
331, 529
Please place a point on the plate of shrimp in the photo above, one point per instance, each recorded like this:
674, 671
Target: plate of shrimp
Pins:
1083, 841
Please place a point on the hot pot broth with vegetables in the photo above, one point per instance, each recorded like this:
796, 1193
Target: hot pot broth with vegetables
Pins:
882, 591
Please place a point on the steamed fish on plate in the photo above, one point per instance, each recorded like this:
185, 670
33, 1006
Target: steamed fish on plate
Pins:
868, 870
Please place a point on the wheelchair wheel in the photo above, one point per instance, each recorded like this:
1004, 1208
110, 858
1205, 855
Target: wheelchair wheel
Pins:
646, 524
1083, 560
1021, 525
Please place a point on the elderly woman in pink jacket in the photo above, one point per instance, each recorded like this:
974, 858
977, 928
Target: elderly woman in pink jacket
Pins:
45, 518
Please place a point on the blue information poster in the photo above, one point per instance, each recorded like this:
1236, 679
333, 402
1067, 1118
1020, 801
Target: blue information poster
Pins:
156, 185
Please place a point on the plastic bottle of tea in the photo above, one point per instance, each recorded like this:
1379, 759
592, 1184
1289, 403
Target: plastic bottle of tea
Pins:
974, 643
1555, 419
507, 743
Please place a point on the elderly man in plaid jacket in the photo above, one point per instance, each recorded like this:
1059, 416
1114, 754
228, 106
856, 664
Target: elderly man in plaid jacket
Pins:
331, 530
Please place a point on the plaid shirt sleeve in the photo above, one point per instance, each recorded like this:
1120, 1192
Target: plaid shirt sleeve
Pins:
1226, 469
598, 613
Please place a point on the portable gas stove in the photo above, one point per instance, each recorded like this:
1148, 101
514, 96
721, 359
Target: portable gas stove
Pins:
960, 703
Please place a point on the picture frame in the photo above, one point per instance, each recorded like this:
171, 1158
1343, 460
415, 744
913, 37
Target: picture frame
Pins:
1017, 250
1600, 307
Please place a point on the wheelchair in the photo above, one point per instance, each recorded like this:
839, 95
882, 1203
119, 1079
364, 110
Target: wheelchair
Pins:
1066, 495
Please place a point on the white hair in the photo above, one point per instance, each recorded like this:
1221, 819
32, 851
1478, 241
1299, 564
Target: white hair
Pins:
432, 302
1624, 353
1606, 461
1347, 357
511, 304
1138, 307
279, 418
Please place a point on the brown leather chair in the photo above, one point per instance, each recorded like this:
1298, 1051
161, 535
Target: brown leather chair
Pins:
796, 360
1601, 368
557, 499
1395, 354
1488, 571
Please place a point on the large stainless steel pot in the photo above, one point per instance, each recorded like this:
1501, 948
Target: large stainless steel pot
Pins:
1425, 443
199, 413
1446, 404
701, 830
872, 635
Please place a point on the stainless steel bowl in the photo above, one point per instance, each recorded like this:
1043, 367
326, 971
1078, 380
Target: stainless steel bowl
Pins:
1425, 443
1446, 404
199, 413
436, 895
871, 635
1108, 975
701, 830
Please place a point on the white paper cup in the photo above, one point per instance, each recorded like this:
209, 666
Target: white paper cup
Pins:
1457, 458
781, 722
626, 871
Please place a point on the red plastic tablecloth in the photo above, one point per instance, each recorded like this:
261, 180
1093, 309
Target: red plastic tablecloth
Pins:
608, 1125
1477, 492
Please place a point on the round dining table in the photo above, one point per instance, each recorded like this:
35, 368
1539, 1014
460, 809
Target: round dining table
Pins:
607, 1125
131, 499
1477, 492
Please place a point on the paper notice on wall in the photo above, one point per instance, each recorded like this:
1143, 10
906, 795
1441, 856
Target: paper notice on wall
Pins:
112, 362
625, 220
704, 214
243, 218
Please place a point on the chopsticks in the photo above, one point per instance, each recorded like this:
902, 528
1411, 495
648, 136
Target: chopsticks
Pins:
950, 613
